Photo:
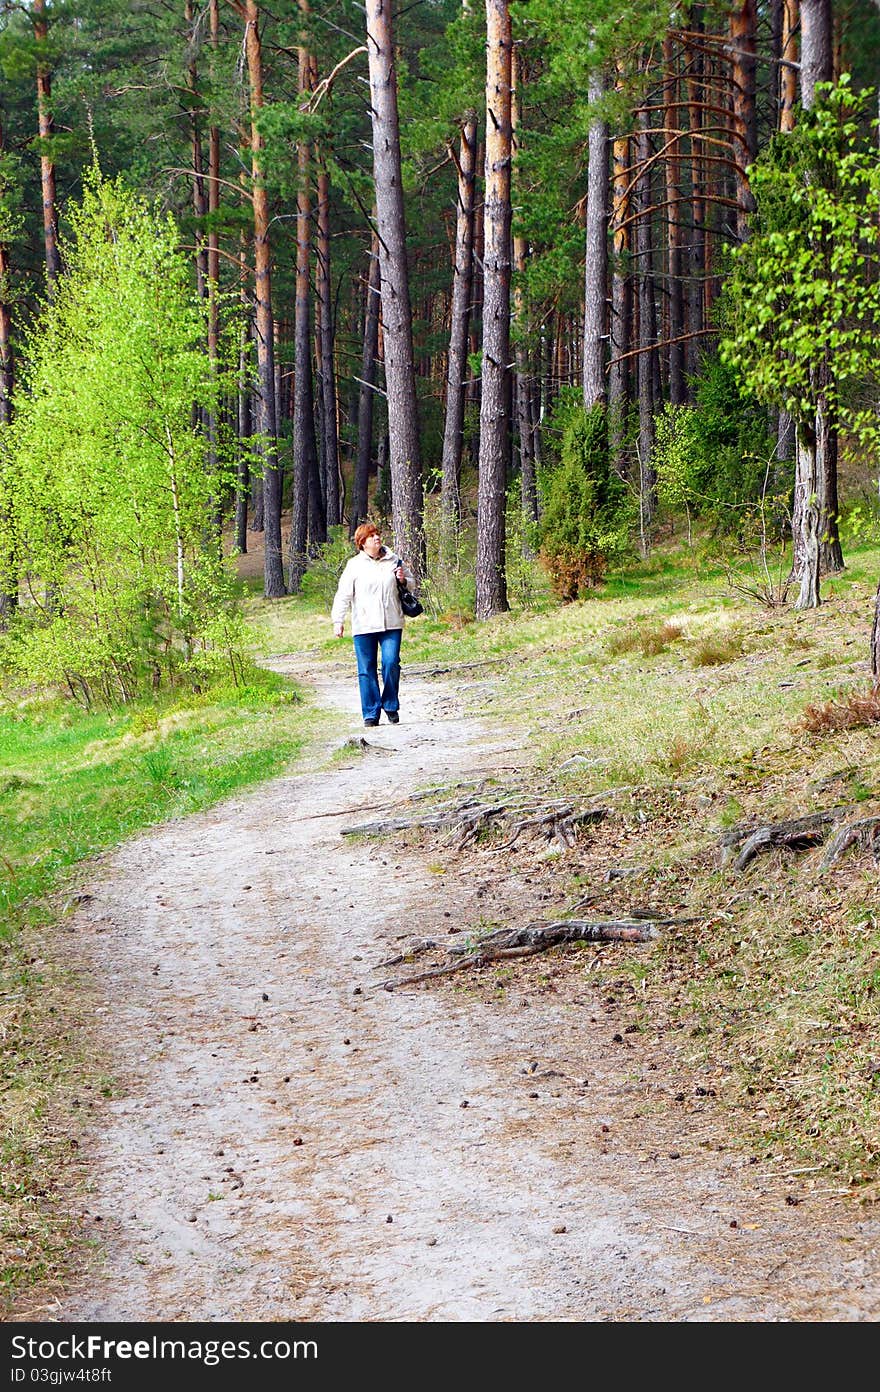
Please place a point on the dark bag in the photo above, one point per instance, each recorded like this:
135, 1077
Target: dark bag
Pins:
408, 602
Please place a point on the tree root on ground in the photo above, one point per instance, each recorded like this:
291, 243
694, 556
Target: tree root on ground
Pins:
801, 834
507, 943
557, 821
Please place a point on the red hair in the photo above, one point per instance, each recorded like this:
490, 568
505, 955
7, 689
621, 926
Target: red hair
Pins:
366, 529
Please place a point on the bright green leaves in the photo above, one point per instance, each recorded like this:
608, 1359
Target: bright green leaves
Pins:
804, 288
107, 494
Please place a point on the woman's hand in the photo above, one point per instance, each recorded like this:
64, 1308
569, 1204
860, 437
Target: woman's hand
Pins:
337, 629
401, 574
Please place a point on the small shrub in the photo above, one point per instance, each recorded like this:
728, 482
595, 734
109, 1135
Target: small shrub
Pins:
648, 639
712, 652
587, 511
851, 712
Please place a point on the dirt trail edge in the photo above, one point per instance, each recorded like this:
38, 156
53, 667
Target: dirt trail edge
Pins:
288, 1142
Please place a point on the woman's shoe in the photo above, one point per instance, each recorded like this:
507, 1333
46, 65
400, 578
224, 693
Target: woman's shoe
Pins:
393, 716
375, 721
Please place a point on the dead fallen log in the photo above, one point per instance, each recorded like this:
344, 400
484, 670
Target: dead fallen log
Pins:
506, 943
799, 833
864, 830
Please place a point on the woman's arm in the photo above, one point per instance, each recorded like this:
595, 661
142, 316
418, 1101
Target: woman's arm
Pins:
343, 599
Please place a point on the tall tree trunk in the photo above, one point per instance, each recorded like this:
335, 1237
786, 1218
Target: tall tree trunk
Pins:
330, 431
273, 569
8, 574
788, 64
621, 306
596, 256
213, 266
462, 276
817, 52
46, 130
647, 334
367, 390
522, 350
400, 382
696, 288
491, 582
674, 260
200, 202
305, 522
744, 46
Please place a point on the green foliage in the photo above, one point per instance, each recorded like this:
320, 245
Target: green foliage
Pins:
106, 494
586, 511
712, 458
804, 293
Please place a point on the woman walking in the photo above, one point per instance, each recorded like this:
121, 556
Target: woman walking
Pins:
369, 587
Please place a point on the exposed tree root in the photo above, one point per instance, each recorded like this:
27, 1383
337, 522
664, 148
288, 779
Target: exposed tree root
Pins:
506, 943
864, 830
800, 834
463, 823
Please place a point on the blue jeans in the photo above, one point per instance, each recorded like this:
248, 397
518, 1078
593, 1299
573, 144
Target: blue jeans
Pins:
367, 647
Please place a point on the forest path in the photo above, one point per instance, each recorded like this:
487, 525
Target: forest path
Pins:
288, 1142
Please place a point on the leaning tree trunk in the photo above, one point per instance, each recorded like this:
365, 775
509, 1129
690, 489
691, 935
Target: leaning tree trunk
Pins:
596, 258
46, 130
400, 380
491, 582
273, 568
456, 376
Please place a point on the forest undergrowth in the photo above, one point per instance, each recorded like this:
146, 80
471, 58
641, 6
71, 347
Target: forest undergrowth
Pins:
693, 714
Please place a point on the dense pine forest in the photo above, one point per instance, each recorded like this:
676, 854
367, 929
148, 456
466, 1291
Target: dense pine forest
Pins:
531, 278
578, 301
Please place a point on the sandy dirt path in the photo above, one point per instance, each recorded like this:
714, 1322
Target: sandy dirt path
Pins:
288, 1141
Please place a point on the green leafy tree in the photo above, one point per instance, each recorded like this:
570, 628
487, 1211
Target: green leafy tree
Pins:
803, 299
106, 495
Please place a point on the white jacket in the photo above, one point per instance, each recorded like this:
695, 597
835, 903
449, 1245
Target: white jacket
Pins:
369, 589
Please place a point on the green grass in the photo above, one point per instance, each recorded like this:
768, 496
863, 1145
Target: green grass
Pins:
74, 783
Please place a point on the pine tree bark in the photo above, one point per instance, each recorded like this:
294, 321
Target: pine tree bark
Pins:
305, 523
273, 567
199, 197
323, 291
674, 259
495, 435
522, 350
596, 257
400, 382
744, 46
45, 128
462, 278
788, 64
8, 580
367, 391
647, 335
621, 307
